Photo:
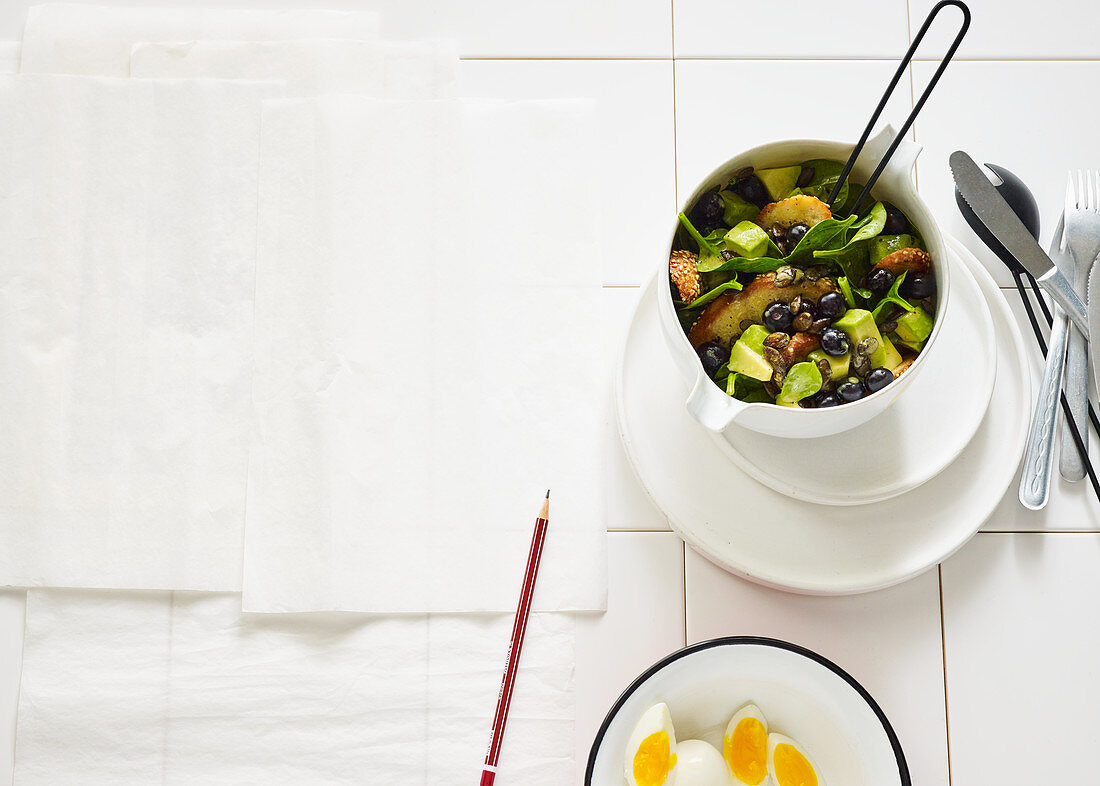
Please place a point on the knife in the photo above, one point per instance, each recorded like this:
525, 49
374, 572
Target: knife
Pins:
998, 218
1094, 322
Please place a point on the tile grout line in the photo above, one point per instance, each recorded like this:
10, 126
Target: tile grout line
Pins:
684, 588
943, 655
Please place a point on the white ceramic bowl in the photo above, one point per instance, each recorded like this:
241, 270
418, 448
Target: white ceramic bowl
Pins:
709, 404
802, 695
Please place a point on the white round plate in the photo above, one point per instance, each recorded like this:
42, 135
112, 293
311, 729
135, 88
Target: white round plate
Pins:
773, 539
896, 451
801, 694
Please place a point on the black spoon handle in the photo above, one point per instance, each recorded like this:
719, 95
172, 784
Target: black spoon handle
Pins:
886, 97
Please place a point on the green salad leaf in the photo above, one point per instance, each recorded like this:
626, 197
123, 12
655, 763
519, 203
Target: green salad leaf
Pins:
822, 235
826, 175
891, 298
866, 228
709, 254
721, 289
746, 388
850, 292
736, 209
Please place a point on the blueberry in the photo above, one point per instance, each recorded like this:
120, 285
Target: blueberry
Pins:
713, 356
918, 285
850, 391
708, 211
896, 222
752, 189
879, 281
796, 233
834, 342
805, 176
830, 306
878, 379
778, 316
827, 400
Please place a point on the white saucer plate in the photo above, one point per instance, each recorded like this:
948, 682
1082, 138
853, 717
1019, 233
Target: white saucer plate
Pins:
896, 451
777, 540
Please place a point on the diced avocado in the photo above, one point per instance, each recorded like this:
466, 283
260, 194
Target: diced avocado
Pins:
735, 209
747, 355
884, 245
779, 181
859, 324
747, 240
915, 326
838, 365
802, 380
899, 342
893, 358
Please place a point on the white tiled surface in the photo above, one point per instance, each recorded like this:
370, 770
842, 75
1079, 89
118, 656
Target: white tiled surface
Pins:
1023, 682
1019, 609
643, 623
1024, 116
876, 638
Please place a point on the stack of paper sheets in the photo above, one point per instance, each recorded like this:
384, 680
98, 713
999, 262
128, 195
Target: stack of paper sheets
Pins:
282, 316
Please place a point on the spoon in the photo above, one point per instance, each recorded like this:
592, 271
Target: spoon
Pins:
1023, 204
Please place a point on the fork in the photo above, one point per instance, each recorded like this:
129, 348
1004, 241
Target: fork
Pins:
1082, 222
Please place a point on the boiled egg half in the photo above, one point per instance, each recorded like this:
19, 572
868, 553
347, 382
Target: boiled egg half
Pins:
651, 750
790, 765
745, 746
699, 763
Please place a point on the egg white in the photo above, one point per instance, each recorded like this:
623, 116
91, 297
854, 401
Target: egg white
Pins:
776, 739
750, 710
656, 718
699, 763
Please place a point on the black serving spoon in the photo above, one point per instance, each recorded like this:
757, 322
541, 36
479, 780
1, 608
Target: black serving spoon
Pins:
1023, 204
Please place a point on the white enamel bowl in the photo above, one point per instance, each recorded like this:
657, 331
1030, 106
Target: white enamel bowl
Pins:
802, 695
710, 405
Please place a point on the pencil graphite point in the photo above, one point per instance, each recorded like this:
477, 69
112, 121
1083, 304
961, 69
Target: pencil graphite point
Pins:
548, 493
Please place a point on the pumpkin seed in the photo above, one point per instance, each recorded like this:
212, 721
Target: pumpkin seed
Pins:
803, 321
777, 340
818, 327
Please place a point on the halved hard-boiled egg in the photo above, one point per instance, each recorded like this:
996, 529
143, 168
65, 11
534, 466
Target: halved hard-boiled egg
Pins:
699, 763
745, 746
790, 765
651, 750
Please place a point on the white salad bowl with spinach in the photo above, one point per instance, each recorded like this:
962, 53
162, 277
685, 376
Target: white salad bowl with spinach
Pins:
793, 319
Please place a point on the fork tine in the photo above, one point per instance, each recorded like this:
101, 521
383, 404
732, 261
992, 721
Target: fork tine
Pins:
1096, 190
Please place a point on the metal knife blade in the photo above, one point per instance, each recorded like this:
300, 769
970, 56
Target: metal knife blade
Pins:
1094, 323
998, 218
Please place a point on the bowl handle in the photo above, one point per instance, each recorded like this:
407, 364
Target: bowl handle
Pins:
711, 407
899, 170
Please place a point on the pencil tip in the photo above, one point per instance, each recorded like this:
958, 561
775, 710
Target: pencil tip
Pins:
548, 493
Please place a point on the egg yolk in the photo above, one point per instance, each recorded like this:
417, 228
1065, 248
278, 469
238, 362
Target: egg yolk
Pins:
746, 751
654, 760
791, 767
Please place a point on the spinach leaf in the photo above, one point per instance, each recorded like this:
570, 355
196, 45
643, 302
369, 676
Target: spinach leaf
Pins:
866, 228
709, 254
826, 175
822, 235
891, 298
854, 261
744, 265
721, 289
746, 388
850, 292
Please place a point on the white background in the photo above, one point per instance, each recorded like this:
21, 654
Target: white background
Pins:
986, 666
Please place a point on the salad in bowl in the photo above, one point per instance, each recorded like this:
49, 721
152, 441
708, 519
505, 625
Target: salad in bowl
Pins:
790, 302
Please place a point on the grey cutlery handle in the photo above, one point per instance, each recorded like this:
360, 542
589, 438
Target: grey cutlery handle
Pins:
1076, 386
1063, 293
1039, 456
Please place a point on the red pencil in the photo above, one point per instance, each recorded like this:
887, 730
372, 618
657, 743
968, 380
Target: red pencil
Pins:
519, 628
